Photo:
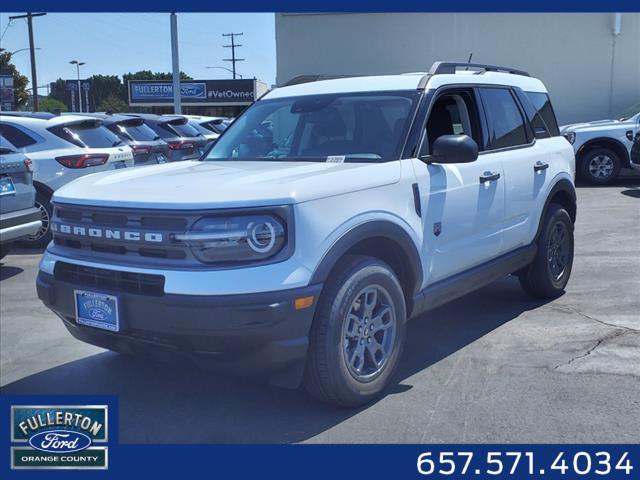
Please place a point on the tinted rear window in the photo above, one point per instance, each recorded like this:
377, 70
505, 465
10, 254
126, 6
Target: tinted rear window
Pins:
16, 136
140, 133
542, 104
166, 130
87, 135
201, 129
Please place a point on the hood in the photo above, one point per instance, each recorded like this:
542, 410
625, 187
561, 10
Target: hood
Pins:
596, 125
225, 184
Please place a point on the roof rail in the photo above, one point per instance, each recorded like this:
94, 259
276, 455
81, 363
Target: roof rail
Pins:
440, 68
314, 78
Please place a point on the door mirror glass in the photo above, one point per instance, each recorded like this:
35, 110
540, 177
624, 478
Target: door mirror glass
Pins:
453, 149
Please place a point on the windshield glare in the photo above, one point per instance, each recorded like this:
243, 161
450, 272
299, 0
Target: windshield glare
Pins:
358, 127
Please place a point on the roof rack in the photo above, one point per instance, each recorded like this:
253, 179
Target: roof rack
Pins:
441, 68
314, 78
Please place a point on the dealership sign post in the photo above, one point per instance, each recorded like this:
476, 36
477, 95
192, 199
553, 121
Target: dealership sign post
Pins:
195, 92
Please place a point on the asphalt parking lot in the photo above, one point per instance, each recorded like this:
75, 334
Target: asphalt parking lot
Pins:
495, 366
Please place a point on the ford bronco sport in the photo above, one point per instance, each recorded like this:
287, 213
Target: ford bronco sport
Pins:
325, 216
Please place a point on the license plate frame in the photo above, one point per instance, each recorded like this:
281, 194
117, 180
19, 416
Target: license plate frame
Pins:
98, 310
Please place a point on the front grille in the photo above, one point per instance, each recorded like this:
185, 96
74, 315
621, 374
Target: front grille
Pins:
128, 282
94, 243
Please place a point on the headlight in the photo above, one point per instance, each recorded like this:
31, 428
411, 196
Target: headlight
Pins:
235, 239
571, 137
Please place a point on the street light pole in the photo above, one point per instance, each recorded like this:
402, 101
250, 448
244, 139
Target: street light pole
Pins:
78, 64
227, 69
175, 60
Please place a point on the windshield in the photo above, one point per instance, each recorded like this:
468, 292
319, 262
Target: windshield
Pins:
355, 127
629, 112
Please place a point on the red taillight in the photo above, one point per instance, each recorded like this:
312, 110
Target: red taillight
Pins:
139, 150
83, 161
180, 145
28, 165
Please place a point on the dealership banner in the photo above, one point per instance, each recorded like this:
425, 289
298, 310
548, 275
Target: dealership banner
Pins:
195, 92
71, 436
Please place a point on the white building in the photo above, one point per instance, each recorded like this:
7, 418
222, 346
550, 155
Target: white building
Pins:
589, 61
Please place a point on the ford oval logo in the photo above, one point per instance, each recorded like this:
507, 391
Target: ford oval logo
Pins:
60, 441
97, 313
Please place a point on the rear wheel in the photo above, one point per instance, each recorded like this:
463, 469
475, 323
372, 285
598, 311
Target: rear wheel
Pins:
548, 274
358, 333
600, 166
43, 236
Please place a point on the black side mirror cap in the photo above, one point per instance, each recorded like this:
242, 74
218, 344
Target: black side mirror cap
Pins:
453, 149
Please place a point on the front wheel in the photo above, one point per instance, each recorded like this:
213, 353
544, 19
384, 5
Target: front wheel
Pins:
548, 274
600, 166
357, 334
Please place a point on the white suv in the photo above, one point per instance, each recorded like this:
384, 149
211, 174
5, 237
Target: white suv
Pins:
62, 148
603, 147
395, 194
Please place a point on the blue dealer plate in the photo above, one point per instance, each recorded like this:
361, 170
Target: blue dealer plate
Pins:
97, 310
6, 186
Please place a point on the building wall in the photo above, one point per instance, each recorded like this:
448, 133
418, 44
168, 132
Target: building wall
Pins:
590, 73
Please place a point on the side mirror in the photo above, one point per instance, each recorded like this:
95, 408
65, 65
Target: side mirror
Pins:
453, 149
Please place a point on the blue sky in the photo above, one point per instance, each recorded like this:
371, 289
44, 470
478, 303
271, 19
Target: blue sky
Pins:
117, 43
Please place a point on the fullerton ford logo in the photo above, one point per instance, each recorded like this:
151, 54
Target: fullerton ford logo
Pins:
107, 233
59, 436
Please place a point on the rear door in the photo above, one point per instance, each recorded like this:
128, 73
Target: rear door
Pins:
510, 141
464, 203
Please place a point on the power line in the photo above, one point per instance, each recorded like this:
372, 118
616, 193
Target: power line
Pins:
233, 47
5, 29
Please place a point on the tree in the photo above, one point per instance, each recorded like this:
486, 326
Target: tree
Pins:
107, 88
20, 82
50, 104
113, 104
59, 91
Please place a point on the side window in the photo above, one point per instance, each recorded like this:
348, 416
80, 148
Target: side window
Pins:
452, 114
542, 104
16, 136
504, 120
540, 128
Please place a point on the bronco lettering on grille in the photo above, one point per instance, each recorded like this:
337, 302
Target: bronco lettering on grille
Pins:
108, 233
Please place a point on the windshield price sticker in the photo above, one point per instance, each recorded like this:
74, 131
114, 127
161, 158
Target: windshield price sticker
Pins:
527, 464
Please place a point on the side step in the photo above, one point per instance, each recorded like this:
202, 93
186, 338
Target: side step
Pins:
477, 277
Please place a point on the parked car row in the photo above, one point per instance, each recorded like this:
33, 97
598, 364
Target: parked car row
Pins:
66, 146
603, 147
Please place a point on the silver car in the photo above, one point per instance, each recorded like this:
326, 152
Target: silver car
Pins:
18, 216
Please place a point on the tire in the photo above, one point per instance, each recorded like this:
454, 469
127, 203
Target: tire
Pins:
42, 238
5, 248
548, 274
340, 339
600, 166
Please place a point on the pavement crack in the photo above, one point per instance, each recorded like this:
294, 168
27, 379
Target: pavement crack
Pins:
569, 309
619, 332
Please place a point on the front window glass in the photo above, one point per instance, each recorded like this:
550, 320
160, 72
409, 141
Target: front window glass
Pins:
345, 127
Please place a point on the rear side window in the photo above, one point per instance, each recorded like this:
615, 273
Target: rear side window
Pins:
87, 135
505, 122
542, 104
16, 136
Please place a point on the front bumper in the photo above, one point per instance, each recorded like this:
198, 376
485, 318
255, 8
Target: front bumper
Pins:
247, 334
20, 224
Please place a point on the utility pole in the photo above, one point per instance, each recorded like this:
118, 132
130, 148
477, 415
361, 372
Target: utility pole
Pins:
34, 79
78, 65
177, 100
233, 46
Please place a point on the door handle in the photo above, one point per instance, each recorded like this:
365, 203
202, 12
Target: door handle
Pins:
540, 166
489, 177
